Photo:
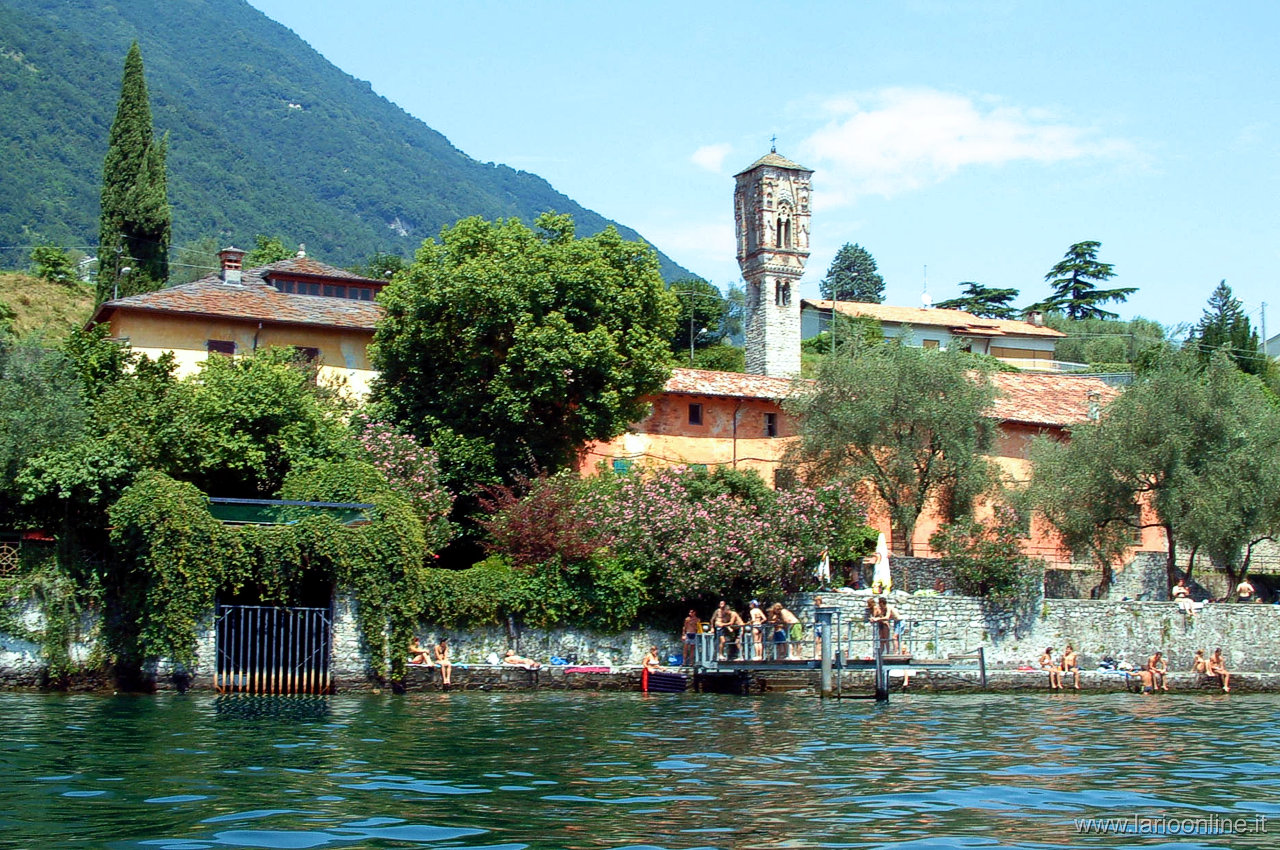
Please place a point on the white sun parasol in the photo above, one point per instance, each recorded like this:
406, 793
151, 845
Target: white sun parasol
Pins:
880, 574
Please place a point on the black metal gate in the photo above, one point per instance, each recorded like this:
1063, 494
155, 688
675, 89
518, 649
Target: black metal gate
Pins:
269, 650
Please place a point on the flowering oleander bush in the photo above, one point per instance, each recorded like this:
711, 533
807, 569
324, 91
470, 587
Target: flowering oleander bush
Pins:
415, 471
682, 532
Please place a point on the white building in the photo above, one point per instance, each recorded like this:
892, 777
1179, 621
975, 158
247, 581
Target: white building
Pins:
1027, 345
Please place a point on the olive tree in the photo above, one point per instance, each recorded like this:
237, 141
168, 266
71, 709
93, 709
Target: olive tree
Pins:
908, 425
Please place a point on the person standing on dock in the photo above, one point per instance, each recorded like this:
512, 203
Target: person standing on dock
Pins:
692, 626
757, 630
726, 623
651, 664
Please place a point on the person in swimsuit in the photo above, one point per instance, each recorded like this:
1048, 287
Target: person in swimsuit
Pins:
1071, 664
418, 654
513, 660
690, 628
1055, 672
443, 662
1245, 591
757, 619
1200, 664
722, 622
817, 629
1157, 668
650, 664
1218, 667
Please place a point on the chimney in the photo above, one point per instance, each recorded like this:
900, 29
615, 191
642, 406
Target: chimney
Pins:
232, 262
1036, 318
1095, 406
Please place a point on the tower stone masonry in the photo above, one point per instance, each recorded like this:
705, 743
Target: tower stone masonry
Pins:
771, 220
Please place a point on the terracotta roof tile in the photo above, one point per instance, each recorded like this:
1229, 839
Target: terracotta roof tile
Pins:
1048, 399
254, 299
957, 321
728, 384
1029, 397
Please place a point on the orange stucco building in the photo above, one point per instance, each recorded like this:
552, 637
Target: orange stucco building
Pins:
729, 419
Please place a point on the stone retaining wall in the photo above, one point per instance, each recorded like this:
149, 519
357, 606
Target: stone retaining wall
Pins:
1249, 636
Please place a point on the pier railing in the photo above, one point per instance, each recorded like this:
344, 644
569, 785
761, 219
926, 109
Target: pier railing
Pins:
853, 640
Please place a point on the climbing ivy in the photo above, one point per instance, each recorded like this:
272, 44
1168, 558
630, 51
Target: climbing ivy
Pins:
181, 557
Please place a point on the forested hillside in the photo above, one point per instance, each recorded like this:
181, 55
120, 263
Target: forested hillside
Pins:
266, 136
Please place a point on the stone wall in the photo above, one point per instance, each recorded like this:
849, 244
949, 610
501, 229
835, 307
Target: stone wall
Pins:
1249, 635
937, 626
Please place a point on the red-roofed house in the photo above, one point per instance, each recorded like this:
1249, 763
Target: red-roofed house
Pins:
326, 313
1027, 345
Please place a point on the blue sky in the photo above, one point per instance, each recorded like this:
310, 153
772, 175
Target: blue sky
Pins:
978, 139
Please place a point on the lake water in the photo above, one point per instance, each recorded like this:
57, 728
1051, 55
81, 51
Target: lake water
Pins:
581, 770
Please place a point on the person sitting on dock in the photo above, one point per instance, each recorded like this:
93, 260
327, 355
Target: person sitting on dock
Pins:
1158, 669
418, 654
1055, 671
692, 625
443, 662
1200, 664
1071, 664
510, 659
1218, 667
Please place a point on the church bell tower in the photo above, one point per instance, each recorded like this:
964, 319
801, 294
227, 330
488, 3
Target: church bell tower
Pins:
771, 219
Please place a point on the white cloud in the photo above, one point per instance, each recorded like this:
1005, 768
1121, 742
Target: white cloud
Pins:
711, 157
899, 139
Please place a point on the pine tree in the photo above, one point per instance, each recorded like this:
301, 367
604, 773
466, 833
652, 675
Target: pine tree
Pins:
853, 277
1225, 323
1074, 292
134, 228
983, 301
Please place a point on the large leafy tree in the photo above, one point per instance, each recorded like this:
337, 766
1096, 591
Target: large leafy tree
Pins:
135, 222
1225, 324
1196, 448
700, 317
983, 301
508, 349
269, 249
908, 425
853, 276
1075, 281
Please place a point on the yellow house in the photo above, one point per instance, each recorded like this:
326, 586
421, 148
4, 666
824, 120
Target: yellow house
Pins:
327, 313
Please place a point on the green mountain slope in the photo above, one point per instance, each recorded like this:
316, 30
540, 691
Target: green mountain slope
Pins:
266, 136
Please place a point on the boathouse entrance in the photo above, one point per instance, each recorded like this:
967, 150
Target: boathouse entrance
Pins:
273, 650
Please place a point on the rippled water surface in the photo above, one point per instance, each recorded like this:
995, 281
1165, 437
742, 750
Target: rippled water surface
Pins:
556, 770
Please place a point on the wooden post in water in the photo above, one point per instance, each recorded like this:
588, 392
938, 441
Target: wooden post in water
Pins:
881, 674
822, 622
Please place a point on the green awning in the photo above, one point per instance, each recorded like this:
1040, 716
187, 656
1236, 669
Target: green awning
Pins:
284, 512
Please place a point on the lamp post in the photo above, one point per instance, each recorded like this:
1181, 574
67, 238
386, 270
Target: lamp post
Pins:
123, 272
693, 335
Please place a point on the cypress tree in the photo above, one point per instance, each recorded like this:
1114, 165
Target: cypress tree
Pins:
134, 229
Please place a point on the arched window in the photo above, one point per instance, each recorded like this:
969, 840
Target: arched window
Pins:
782, 293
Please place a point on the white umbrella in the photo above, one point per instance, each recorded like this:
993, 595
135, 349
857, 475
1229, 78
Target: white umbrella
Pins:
823, 571
880, 573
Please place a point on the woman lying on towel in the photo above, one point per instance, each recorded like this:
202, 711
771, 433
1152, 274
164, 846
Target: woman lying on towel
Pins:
513, 660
